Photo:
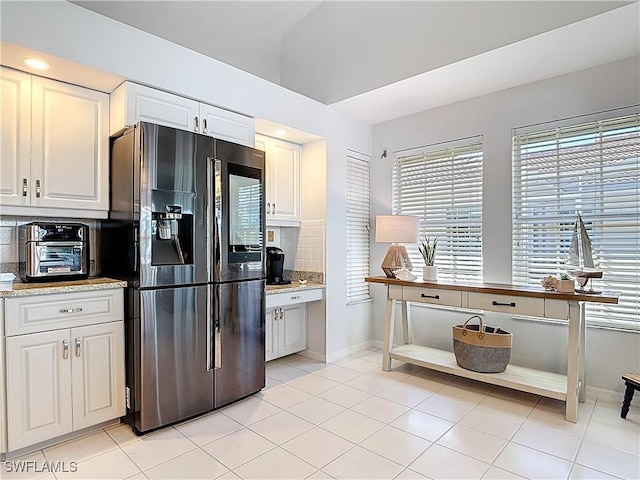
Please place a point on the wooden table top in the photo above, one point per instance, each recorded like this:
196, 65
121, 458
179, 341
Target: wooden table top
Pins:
501, 289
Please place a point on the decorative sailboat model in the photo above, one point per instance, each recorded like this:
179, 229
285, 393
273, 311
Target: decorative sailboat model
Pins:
582, 263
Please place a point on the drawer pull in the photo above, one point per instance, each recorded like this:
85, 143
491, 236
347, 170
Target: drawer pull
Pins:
424, 295
296, 297
498, 304
65, 349
71, 310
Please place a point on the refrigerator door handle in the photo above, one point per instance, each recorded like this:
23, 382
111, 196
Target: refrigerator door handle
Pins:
209, 333
217, 326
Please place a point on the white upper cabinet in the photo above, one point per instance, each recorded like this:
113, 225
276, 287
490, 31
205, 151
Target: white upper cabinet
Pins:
132, 103
15, 143
282, 181
55, 148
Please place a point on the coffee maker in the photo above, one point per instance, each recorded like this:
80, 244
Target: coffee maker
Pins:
275, 267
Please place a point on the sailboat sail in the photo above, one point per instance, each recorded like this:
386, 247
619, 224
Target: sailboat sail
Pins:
581, 261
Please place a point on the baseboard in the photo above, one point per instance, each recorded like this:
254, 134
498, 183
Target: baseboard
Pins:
345, 352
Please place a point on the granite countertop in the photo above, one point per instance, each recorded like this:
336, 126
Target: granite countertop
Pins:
294, 286
21, 289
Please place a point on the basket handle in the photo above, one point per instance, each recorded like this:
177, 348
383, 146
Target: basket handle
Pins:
480, 330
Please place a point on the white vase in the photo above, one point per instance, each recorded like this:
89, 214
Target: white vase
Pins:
430, 273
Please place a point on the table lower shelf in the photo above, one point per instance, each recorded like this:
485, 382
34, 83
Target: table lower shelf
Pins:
539, 382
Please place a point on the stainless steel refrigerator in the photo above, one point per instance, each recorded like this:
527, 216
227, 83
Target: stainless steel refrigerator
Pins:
186, 230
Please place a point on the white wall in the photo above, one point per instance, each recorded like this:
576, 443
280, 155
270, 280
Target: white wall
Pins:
71, 32
609, 353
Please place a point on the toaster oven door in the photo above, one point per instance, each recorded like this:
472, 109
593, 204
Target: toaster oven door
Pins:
51, 259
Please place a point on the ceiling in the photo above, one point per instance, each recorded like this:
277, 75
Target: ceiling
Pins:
379, 60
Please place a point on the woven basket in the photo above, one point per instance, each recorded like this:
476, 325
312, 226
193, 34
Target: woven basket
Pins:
481, 348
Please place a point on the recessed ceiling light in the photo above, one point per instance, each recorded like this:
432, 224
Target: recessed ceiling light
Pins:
281, 132
37, 64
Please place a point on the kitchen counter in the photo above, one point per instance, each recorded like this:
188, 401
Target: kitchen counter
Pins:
22, 289
294, 286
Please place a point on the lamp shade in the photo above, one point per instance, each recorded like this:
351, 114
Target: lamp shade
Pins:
397, 228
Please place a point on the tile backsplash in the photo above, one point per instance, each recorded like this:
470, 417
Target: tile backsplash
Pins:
304, 247
9, 243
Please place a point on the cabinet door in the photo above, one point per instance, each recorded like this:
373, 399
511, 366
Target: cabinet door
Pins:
144, 104
38, 387
292, 329
97, 373
271, 335
227, 125
15, 142
282, 183
70, 146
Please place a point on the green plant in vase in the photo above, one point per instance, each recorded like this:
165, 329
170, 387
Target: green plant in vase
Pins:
427, 249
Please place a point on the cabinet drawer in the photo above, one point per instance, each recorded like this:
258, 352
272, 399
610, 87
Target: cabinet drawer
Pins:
507, 304
50, 312
290, 298
435, 296
556, 309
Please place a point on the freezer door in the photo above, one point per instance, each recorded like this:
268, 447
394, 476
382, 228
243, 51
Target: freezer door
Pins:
174, 380
239, 315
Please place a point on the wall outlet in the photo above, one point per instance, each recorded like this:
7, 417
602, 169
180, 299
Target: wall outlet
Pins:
270, 235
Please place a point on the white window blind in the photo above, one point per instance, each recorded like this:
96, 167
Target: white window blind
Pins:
591, 169
443, 187
357, 227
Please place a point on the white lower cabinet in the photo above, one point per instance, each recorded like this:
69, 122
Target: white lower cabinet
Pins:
64, 379
286, 321
39, 388
286, 330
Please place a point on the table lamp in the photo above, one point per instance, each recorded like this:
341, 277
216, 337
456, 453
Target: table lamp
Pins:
396, 229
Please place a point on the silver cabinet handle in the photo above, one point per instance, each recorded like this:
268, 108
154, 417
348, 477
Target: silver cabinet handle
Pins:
24, 187
204, 125
273, 208
281, 314
77, 347
296, 297
65, 349
38, 188
71, 310
268, 208
196, 122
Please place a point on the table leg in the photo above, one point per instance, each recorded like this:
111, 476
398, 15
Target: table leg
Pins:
573, 361
582, 374
406, 322
388, 334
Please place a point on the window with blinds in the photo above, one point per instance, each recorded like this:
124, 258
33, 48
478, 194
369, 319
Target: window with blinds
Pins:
592, 169
357, 227
443, 186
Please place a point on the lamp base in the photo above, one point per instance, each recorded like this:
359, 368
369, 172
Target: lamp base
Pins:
396, 258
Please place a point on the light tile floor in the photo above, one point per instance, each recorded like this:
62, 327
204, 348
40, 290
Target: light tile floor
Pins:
350, 420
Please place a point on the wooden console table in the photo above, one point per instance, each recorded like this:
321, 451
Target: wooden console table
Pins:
512, 299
